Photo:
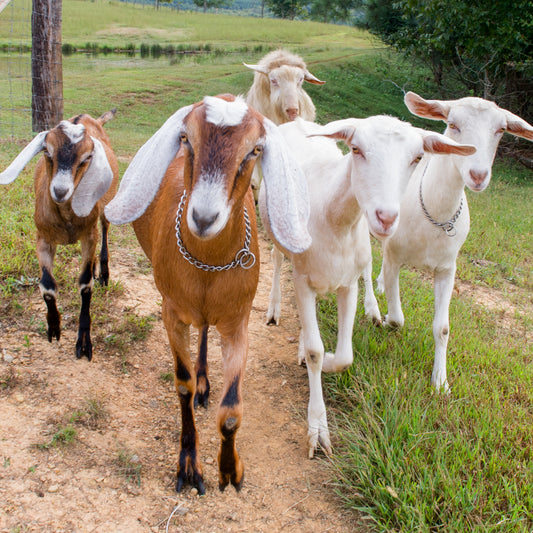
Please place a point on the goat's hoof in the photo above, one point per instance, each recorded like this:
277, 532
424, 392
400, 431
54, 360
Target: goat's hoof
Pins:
272, 321
226, 479
103, 280
201, 399
377, 321
84, 349
54, 332
195, 479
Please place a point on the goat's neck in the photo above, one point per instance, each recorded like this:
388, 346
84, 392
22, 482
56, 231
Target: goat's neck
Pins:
343, 209
442, 187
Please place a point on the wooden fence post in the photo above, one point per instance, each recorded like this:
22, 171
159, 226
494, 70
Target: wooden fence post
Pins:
46, 65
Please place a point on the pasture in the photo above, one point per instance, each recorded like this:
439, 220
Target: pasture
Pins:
92, 446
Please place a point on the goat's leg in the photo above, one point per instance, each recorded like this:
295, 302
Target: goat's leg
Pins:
274, 299
317, 432
443, 289
88, 249
189, 467
346, 309
202, 381
48, 287
104, 253
391, 282
371, 303
229, 415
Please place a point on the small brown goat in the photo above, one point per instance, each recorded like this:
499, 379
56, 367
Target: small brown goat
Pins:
194, 218
74, 179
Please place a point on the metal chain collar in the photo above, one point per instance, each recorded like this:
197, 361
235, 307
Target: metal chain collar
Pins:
244, 258
449, 226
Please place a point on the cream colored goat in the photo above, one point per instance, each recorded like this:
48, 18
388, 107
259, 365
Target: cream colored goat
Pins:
74, 179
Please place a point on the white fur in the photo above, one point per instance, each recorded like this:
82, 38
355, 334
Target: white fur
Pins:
222, 113
73, 131
346, 194
417, 241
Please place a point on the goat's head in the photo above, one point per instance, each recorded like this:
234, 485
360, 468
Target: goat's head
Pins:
220, 139
281, 78
474, 121
385, 151
77, 168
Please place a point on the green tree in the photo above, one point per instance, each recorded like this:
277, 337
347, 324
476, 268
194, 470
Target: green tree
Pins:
208, 4
332, 10
286, 9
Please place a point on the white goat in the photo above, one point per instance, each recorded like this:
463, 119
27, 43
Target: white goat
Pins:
434, 212
73, 181
347, 194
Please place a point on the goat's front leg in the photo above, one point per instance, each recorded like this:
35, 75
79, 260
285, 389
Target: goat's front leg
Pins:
390, 273
317, 431
371, 304
48, 287
104, 253
202, 381
189, 467
229, 416
274, 299
346, 309
443, 289
88, 249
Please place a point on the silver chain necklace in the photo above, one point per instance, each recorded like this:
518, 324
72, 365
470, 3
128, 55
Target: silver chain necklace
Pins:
449, 226
244, 258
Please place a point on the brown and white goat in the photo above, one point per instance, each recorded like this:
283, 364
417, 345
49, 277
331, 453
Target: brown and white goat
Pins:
194, 217
74, 179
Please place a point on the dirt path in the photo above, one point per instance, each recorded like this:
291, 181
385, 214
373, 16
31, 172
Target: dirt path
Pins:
92, 484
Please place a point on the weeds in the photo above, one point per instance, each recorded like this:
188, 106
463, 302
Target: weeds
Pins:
62, 437
129, 465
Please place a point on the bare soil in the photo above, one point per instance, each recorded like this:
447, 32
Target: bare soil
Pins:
118, 473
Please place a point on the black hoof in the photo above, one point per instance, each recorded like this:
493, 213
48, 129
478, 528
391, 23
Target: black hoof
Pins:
272, 322
54, 332
84, 349
231, 478
201, 399
196, 480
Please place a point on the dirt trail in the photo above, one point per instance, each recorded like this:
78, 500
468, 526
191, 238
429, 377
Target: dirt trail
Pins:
91, 484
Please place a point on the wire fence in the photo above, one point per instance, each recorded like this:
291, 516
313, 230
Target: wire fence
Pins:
15, 68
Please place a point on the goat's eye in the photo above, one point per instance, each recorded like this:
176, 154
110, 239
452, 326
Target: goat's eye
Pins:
356, 150
417, 160
184, 138
274, 82
257, 150
500, 131
453, 126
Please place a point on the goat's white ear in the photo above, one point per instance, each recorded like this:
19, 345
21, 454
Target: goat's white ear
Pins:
257, 68
518, 126
287, 197
312, 79
18, 164
437, 143
145, 173
94, 183
433, 109
341, 130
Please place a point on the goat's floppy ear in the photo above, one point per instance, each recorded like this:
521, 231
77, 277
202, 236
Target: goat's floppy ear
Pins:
94, 183
518, 126
340, 130
143, 176
437, 143
16, 167
287, 198
433, 109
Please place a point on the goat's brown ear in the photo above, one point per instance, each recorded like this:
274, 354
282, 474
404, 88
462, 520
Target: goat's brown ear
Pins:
287, 198
94, 183
433, 109
518, 126
18, 164
145, 173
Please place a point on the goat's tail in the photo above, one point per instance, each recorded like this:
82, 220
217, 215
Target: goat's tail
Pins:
107, 116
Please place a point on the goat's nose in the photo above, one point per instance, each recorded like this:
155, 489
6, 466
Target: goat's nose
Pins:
203, 221
386, 218
60, 193
292, 113
478, 176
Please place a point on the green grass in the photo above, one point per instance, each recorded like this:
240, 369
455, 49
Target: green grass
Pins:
407, 458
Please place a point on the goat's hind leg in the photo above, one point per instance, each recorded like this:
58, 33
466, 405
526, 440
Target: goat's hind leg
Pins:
274, 298
104, 253
189, 469
229, 416
201, 396
48, 287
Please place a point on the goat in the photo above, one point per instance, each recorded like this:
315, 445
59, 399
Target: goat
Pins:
348, 194
74, 179
435, 219
194, 218
277, 91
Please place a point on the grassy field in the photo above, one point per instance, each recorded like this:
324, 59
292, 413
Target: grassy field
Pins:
409, 459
